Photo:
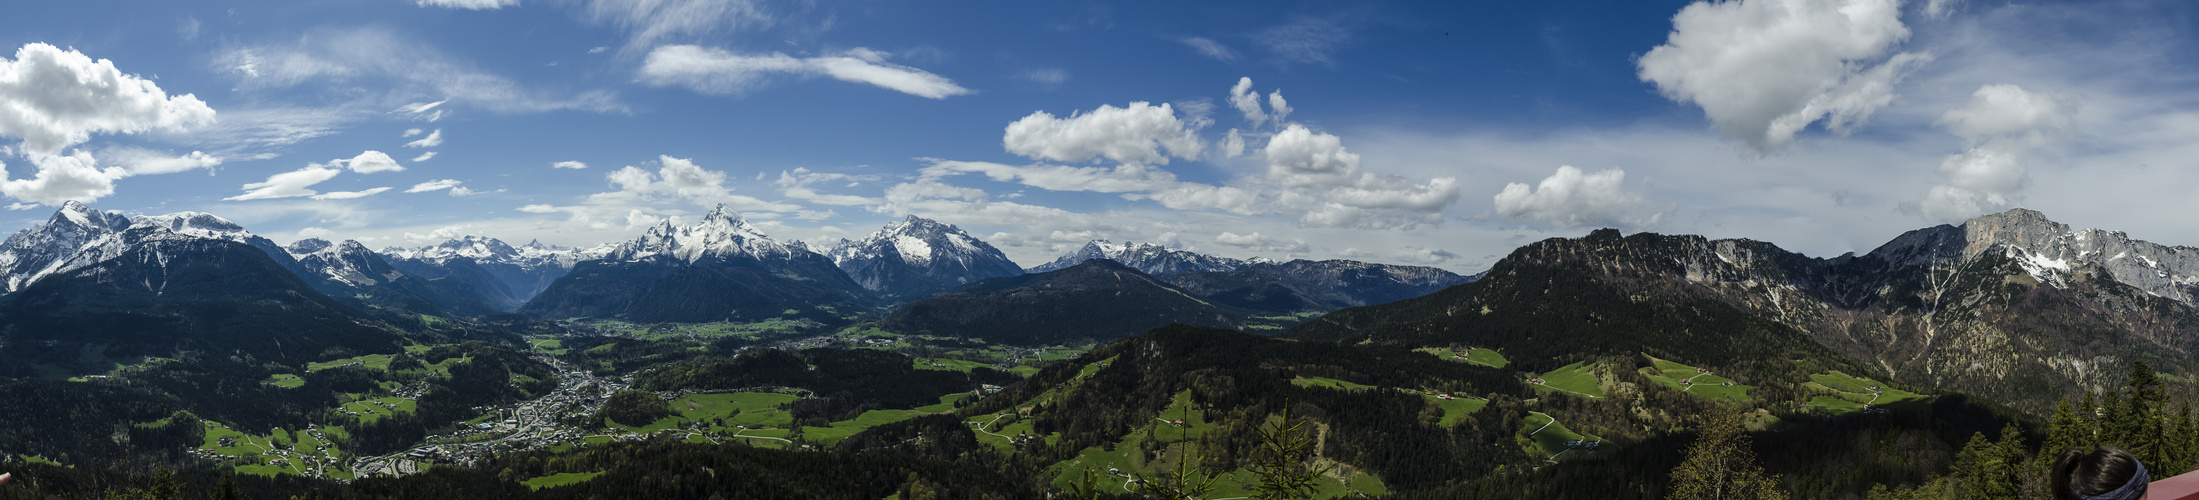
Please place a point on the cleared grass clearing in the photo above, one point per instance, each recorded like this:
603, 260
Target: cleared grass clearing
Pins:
286, 380
1455, 409
369, 411
1850, 394
1577, 378
370, 362
556, 480
1328, 383
1552, 435
952, 365
1126, 457
1709, 385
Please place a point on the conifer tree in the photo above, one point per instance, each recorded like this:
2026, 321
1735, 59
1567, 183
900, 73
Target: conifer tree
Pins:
1280, 461
1721, 465
2181, 442
2143, 413
2088, 419
2008, 474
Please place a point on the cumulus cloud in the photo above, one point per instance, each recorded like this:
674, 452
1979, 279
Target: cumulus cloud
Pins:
2003, 124
434, 185
369, 162
569, 164
1299, 157
716, 71
468, 4
1940, 9
1424, 256
432, 140
424, 157
1246, 101
1571, 198
346, 195
53, 98
62, 178
1763, 70
1233, 145
1280, 107
1134, 134
1209, 48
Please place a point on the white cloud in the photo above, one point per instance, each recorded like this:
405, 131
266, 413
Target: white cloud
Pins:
434, 185
444, 233
716, 71
1571, 198
425, 111
406, 71
1045, 77
538, 209
62, 178
1763, 70
53, 98
2004, 110
796, 184
1233, 145
1209, 48
2003, 123
432, 140
1261, 243
346, 195
598, 50
1281, 107
292, 184
424, 157
411, 132
649, 21
1133, 134
1940, 9
369, 162
1424, 256
140, 161
468, 4
678, 180
1299, 157
1128, 177
314, 232
1307, 40
1246, 101
569, 164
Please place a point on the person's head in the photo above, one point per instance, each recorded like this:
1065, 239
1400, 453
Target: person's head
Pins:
2105, 473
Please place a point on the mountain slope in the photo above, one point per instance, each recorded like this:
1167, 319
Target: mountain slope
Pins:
1145, 257
2010, 306
353, 275
182, 293
719, 269
1304, 285
917, 257
77, 236
1097, 300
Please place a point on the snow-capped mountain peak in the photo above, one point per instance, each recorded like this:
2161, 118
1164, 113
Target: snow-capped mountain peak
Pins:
720, 235
916, 256
1145, 257
348, 262
78, 235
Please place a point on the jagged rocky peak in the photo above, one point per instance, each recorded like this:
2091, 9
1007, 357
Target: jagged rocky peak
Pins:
916, 256
917, 240
2049, 249
721, 234
78, 235
307, 246
1145, 257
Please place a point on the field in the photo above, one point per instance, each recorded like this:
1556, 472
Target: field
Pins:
1549, 436
1474, 355
1328, 383
370, 361
257, 454
369, 411
949, 364
556, 480
1849, 394
1704, 384
757, 415
1457, 408
1577, 378
286, 380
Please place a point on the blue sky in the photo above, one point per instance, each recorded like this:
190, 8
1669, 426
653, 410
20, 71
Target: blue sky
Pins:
1438, 133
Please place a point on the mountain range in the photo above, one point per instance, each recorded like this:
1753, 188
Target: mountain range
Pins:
917, 257
2011, 306
1146, 258
719, 269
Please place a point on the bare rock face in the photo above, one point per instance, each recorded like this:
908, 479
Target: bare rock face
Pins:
916, 257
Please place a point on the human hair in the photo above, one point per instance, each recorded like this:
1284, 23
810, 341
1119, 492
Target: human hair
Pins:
2080, 474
